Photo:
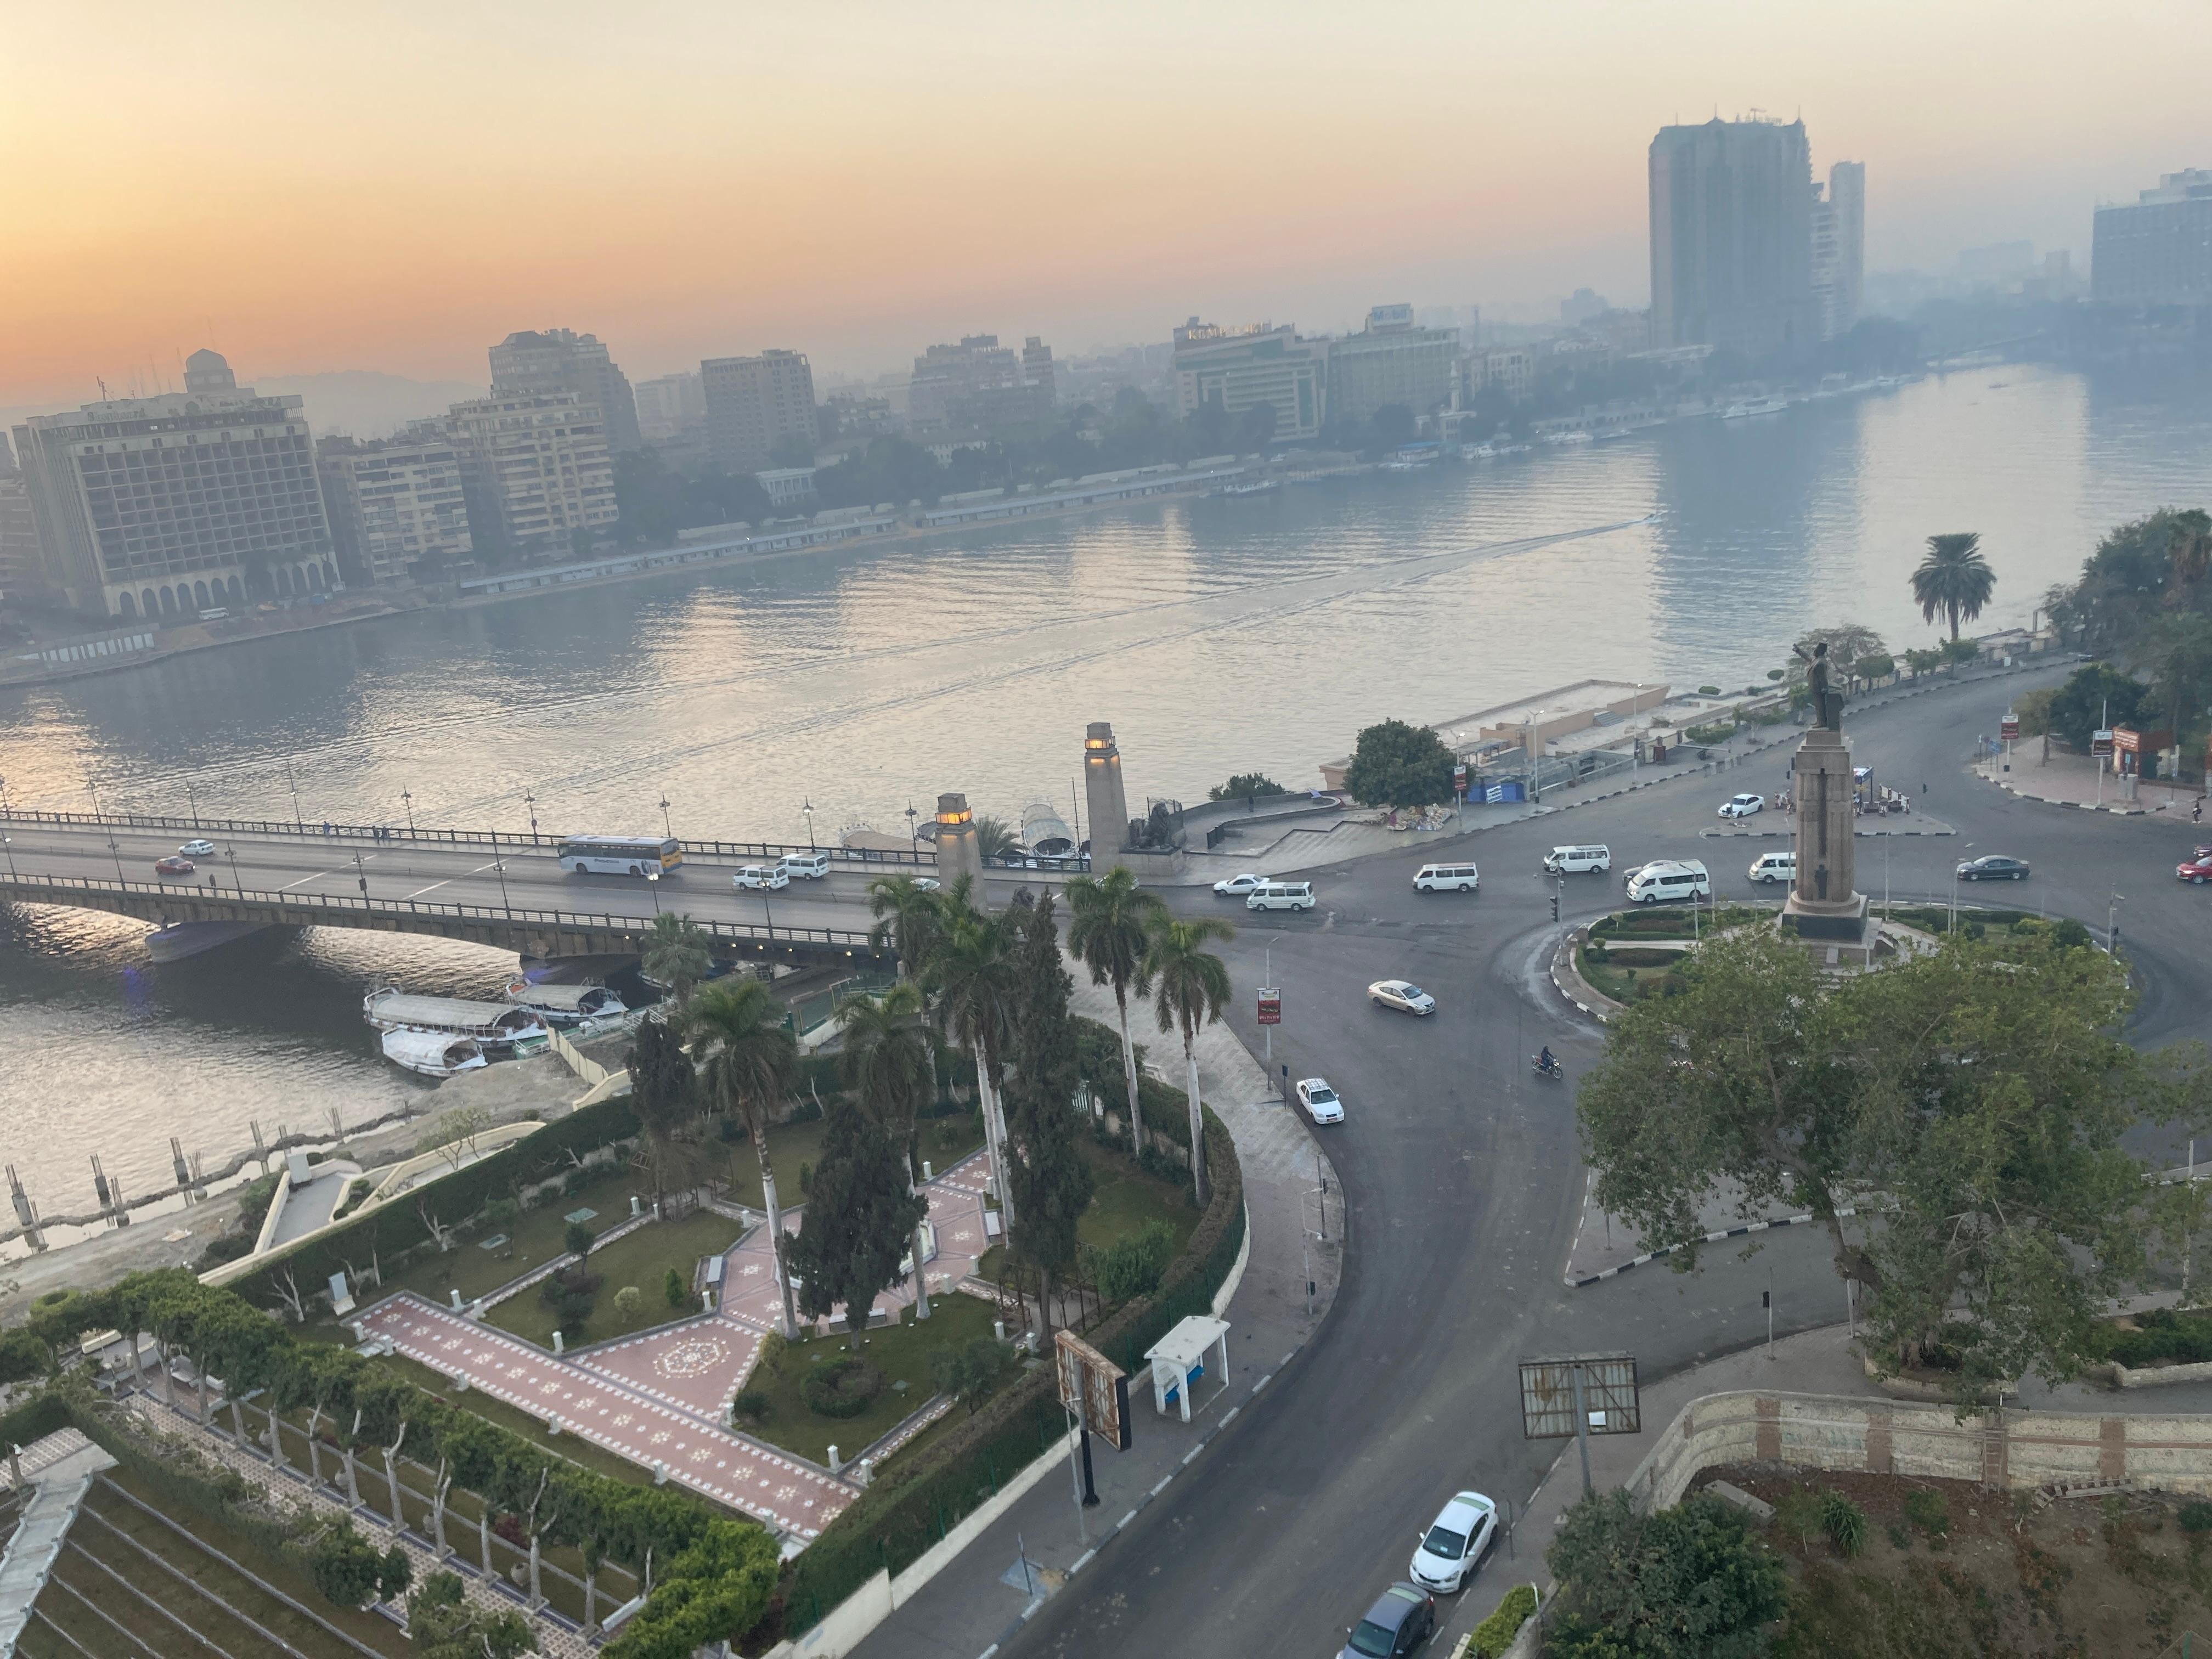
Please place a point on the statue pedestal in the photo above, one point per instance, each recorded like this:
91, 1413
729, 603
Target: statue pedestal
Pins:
1824, 908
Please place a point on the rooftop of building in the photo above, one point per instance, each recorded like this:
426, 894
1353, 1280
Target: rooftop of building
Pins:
167, 405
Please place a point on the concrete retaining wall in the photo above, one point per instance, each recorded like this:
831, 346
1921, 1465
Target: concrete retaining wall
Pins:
2012, 1449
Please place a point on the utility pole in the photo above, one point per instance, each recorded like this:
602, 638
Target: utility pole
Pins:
298, 819
407, 800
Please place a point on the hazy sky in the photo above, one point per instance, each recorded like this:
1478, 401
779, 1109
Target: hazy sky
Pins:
396, 185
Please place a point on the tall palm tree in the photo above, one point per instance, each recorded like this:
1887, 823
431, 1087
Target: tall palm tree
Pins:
1190, 987
1953, 581
889, 1062
676, 954
994, 837
972, 978
1109, 923
2191, 557
751, 1062
909, 920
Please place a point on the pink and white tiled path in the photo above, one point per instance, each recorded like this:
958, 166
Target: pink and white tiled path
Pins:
663, 1397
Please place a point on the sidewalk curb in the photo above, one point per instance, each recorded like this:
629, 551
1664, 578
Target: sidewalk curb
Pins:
1575, 1284
2114, 808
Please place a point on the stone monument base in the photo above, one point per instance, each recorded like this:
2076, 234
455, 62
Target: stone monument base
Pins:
1843, 933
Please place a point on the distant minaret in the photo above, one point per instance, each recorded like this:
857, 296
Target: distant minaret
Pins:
209, 371
1108, 803
959, 853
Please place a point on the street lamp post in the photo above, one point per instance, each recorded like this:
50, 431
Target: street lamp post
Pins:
2112, 923
407, 800
769, 911
499, 864
664, 829
652, 886
231, 853
116, 853
531, 802
298, 819
8, 842
809, 810
913, 833
192, 800
362, 870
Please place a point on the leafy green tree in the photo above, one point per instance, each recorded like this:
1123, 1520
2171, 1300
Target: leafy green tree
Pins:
576, 1239
890, 1063
677, 954
1846, 642
1874, 666
1051, 1179
1974, 1095
1398, 765
751, 1060
1246, 786
1688, 1583
664, 1092
1953, 579
1190, 987
443, 1625
969, 1373
1923, 662
715, 1590
2176, 650
22, 1356
972, 980
2095, 696
1110, 929
348, 1569
673, 1288
861, 1218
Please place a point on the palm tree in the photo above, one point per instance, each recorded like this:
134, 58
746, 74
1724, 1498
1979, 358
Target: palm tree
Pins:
1954, 579
889, 1062
2191, 556
909, 920
750, 1061
1190, 987
676, 954
972, 978
1110, 923
994, 837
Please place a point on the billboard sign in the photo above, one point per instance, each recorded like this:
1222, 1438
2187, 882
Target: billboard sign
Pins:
1093, 1386
2127, 740
1609, 1399
1271, 1006
2009, 728
2100, 743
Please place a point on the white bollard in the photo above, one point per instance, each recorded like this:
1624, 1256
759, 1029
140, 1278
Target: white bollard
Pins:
552, 1426
457, 1298
636, 1208
998, 1329
925, 1170
837, 1463
558, 1345
660, 1473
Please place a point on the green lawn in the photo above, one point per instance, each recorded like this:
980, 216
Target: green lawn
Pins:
643, 1259
535, 1237
900, 1351
944, 1142
1123, 1199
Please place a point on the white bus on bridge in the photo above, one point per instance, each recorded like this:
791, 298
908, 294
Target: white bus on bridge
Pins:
620, 855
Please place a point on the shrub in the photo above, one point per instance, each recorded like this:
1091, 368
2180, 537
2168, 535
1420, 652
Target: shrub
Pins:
673, 1287
1243, 784
1131, 1266
1496, 1633
499, 1215
576, 1239
1718, 732
628, 1300
751, 1404
2196, 1515
1845, 1522
970, 1374
1708, 690
806, 1176
773, 1347
2161, 1335
1926, 1509
843, 1387
1799, 1516
1688, 1580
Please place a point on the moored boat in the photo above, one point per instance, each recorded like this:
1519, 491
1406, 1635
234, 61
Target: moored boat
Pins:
432, 1053
497, 1026
561, 1005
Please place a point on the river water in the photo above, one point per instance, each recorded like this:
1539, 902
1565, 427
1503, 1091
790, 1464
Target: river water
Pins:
1219, 636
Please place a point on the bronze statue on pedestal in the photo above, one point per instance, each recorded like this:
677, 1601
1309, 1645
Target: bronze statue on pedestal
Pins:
1827, 698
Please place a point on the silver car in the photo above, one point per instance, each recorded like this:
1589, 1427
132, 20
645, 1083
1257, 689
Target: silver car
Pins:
1401, 994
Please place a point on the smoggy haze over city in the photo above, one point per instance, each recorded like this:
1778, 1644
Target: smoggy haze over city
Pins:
395, 187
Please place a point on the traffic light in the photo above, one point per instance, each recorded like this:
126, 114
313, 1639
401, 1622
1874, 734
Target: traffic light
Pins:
1555, 906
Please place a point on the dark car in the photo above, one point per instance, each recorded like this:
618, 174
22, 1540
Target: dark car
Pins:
1403, 1618
1993, 867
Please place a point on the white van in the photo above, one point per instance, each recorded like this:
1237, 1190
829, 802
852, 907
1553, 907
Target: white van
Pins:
1774, 866
1668, 879
1281, 896
1447, 878
805, 866
1572, 861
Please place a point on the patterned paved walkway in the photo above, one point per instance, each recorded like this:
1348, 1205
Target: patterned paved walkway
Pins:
663, 1397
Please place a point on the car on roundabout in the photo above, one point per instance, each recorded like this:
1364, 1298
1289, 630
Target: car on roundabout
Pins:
1743, 806
1239, 885
197, 849
1320, 1101
765, 877
2197, 868
1455, 1543
1403, 1617
1993, 867
1403, 994
174, 864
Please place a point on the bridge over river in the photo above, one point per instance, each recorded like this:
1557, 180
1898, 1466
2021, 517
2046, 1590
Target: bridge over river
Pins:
506, 891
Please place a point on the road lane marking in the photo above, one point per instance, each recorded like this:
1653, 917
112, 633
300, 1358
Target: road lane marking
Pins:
462, 876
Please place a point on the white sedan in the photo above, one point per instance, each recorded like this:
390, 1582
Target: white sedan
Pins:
1403, 994
1320, 1101
1743, 806
1239, 886
197, 849
1452, 1548
771, 877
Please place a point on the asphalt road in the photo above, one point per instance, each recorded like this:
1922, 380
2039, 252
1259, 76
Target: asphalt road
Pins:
1463, 1180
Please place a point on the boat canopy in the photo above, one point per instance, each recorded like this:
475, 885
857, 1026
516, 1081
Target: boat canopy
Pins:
436, 1053
1044, 832
565, 998
390, 1008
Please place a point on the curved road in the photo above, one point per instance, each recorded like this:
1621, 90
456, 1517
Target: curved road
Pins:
1462, 1180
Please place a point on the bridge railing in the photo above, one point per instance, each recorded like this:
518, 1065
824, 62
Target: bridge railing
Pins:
335, 904
736, 851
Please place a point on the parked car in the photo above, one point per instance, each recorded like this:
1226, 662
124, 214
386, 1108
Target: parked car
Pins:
1453, 1544
773, 877
1280, 896
174, 864
1571, 861
2197, 869
1320, 1101
1447, 878
805, 866
197, 849
1403, 994
1774, 866
1238, 886
1402, 1618
1993, 867
1743, 806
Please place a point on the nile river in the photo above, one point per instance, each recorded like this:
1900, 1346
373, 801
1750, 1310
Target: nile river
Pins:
1218, 635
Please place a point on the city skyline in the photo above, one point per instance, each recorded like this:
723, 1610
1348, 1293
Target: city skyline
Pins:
690, 225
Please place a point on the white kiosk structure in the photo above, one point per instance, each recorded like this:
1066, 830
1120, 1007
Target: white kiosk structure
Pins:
1181, 1356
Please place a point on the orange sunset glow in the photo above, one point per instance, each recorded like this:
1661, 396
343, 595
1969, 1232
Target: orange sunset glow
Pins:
396, 185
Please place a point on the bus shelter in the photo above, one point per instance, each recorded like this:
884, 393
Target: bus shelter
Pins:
1179, 1360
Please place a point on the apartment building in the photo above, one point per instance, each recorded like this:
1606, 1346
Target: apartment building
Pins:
1391, 362
396, 505
669, 405
2157, 249
535, 360
755, 403
536, 471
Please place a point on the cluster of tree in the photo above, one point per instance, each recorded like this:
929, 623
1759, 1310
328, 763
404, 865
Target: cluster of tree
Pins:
656, 503
1689, 1582
367, 1407
1398, 765
443, 1624
2143, 597
1246, 786
1969, 1102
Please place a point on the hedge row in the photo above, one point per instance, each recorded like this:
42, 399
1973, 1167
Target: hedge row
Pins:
391, 1228
2161, 1334
911, 1507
